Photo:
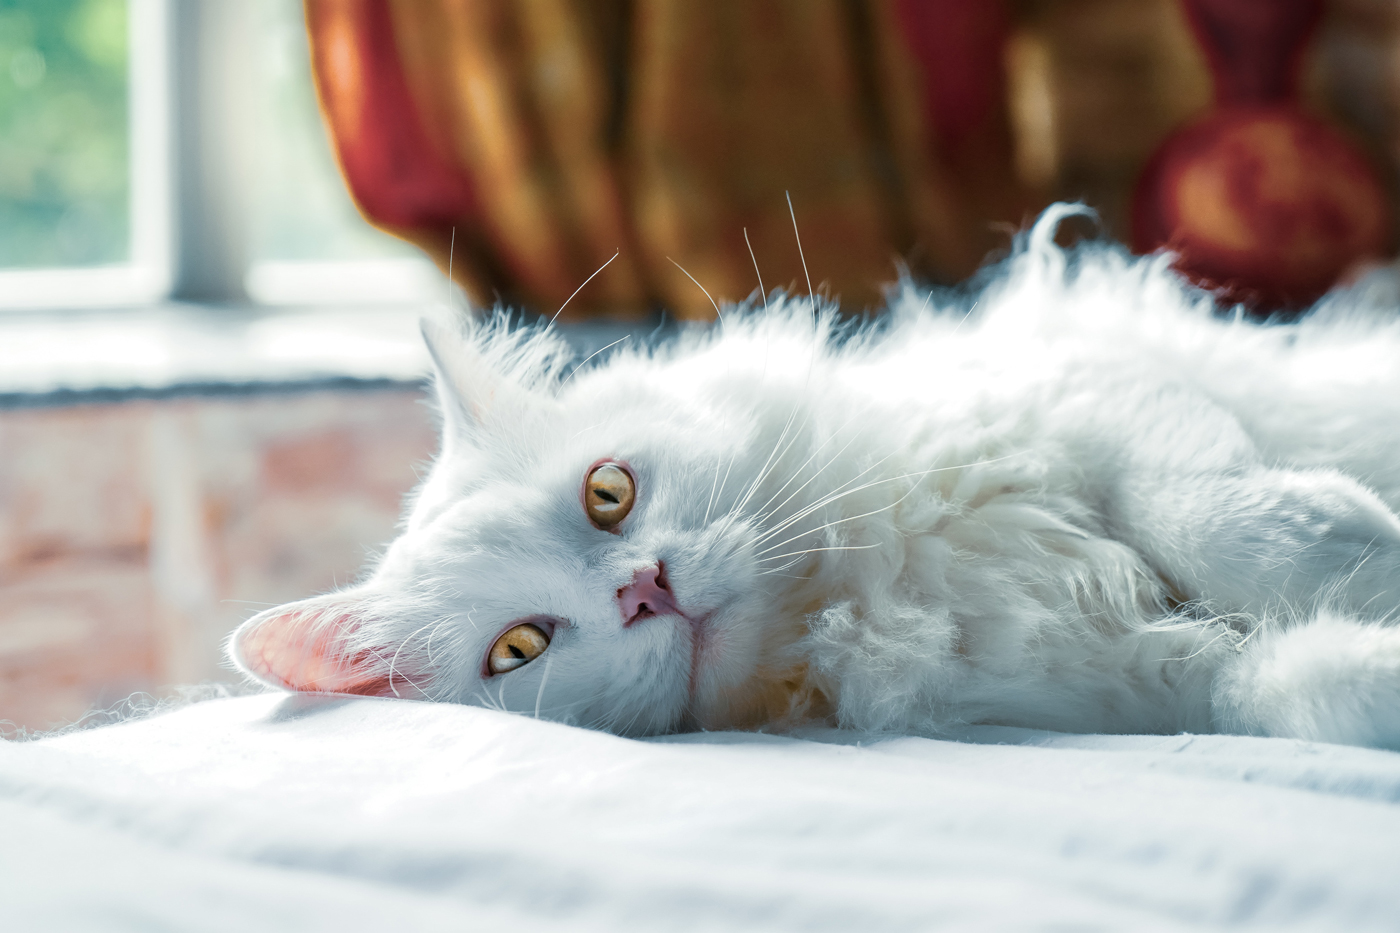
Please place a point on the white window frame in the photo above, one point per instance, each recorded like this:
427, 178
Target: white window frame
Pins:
189, 242
147, 275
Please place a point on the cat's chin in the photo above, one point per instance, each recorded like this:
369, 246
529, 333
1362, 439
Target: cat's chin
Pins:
769, 697
744, 673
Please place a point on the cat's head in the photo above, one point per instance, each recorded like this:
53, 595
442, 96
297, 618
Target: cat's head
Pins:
575, 552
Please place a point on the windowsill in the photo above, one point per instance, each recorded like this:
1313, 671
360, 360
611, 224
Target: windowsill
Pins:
185, 349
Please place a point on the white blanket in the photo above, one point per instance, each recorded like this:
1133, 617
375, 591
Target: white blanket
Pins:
274, 813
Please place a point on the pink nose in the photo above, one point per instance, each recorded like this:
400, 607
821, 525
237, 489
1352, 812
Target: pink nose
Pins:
647, 595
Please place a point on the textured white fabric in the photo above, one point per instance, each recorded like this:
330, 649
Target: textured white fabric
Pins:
303, 813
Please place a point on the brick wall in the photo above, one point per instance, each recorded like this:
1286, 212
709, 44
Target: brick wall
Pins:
135, 536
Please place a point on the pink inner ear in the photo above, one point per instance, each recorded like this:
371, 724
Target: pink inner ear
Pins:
304, 650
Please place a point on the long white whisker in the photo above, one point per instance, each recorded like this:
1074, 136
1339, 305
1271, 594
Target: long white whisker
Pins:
451, 248
811, 297
488, 701
833, 524
766, 472
763, 516
798, 472
840, 492
701, 287
428, 645
591, 355
544, 679
763, 474
587, 429
710, 503
394, 660
958, 326
763, 471
585, 282
814, 550
716, 494
761, 292
725, 482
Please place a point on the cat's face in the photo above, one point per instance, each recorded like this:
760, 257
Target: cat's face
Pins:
576, 554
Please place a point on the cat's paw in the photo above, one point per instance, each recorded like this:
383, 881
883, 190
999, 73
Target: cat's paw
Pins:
1332, 680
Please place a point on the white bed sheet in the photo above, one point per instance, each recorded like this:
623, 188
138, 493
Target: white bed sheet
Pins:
276, 813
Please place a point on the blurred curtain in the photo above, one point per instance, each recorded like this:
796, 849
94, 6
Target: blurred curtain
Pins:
552, 134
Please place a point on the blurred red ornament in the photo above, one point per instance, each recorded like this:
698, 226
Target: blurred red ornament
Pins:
1261, 202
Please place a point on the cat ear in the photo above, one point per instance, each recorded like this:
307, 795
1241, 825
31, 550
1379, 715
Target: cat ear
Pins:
471, 390
315, 646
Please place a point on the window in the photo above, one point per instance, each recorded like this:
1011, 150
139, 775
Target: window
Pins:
83, 166
309, 245
154, 150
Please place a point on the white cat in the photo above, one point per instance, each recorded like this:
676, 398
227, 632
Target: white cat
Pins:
1087, 504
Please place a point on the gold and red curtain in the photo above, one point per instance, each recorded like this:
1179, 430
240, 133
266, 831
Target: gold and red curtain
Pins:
552, 134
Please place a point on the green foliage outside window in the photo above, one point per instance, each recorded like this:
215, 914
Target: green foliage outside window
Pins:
64, 186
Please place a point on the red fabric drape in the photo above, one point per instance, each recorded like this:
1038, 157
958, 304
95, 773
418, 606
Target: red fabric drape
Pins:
555, 134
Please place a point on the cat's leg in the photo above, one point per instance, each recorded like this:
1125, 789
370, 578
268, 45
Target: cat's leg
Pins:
1189, 490
1312, 561
1334, 679
1255, 539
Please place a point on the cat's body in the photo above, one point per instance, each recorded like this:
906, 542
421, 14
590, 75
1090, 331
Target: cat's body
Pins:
1088, 505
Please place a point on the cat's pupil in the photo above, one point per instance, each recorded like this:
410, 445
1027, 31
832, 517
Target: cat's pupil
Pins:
606, 496
517, 653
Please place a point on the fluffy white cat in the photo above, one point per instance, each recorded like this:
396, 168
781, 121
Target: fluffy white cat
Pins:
1076, 499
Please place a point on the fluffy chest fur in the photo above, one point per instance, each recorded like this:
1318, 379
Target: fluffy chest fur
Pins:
1065, 501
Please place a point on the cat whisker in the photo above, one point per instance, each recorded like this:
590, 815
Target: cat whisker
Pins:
842, 521
585, 283
590, 356
428, 647
797, 516
840, 492
394, 660
702, 288
773, 459
713, 493
627, 729
761, 511
587, 429
544, 679
763, 471
488, 701
811, 297
710, 502
814, 550
798, 472
958, 326
761, 292
451, 249
725, 482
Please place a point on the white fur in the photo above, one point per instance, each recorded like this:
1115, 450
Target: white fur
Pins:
1075, 498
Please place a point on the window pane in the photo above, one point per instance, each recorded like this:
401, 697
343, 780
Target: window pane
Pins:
64, 179
302, 210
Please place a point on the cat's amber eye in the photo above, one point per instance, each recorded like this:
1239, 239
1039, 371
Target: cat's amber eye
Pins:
608, 495
516, 647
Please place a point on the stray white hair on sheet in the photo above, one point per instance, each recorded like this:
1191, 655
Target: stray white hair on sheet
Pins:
1071, 496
